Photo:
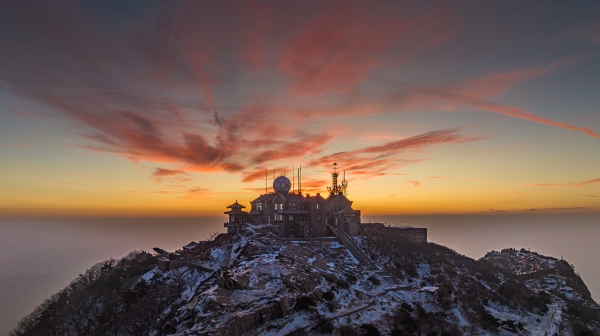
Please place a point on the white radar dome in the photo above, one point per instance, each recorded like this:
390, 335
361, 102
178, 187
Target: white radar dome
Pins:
282, 184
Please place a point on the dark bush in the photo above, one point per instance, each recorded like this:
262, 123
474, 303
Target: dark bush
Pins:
373, 279
351, 278
324, 326
347, 330
329, 295
341, 283
305, 303
370, 329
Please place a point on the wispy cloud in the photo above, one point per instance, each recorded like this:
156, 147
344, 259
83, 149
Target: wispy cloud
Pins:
218, 87
414, 183
376, 160
551, 209
334, 51
419, 96
160, 173
594, 181
564, 185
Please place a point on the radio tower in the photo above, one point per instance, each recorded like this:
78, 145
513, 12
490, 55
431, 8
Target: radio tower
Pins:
336, 189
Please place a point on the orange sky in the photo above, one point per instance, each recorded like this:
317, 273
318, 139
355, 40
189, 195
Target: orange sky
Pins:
177, 109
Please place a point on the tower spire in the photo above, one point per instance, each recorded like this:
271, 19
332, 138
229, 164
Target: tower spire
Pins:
335, 188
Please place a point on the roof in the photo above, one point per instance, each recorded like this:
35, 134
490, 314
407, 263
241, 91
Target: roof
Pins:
296, 198
236, 205
191, 245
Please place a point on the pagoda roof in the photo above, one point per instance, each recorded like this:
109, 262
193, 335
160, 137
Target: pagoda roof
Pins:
236, 205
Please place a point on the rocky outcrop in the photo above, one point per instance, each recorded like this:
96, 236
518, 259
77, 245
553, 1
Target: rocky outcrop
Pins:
238, 281
300, 281
245, 321
254, 248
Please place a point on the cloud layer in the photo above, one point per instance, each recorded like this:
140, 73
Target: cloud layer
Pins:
217, 87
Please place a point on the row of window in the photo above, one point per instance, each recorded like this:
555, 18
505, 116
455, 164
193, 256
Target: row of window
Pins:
279, 206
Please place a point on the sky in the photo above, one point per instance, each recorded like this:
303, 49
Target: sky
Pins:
129, 108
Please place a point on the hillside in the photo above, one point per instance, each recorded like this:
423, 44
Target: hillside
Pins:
257, 283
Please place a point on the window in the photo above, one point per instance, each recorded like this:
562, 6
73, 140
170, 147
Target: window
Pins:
276, 206
278, 217
318, 217
318, 206
291, 217
258, 207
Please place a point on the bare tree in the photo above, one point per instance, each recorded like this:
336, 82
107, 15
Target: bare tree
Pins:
212, 235
179, 280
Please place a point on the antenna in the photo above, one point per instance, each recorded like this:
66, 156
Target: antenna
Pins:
345, 185
336, 189
293, 181
265, 180
300, 180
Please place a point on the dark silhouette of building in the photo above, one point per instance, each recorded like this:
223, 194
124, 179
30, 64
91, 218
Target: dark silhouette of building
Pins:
298, 215
237, 217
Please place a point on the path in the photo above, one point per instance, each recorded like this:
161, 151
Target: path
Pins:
545, 321
209, 281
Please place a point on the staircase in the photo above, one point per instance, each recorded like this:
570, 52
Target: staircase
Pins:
361, 256
204, 285
351, 246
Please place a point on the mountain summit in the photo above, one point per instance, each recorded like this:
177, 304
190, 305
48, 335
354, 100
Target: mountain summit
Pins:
255, 282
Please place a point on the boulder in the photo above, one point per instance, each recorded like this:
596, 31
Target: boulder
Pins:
254, 248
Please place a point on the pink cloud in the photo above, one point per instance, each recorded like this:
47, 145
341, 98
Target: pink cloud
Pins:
335, 51
160, 173
376, 160
493, 83
166, 89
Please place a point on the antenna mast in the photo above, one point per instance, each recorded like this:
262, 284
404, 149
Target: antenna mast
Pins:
293, 181
336, 189
300, 180
345, 185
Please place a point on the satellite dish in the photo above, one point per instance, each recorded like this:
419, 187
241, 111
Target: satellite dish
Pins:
282, 185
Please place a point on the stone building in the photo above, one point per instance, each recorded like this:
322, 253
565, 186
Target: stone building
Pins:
295, 214
418, 235
298, 215
302, 215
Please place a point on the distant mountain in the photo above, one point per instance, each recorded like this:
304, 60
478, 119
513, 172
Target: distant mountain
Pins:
257, 283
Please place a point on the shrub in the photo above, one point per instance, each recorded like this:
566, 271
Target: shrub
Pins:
373, 279
305, 303
370, 329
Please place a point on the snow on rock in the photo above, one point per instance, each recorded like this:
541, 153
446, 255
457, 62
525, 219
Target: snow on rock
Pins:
276, 287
